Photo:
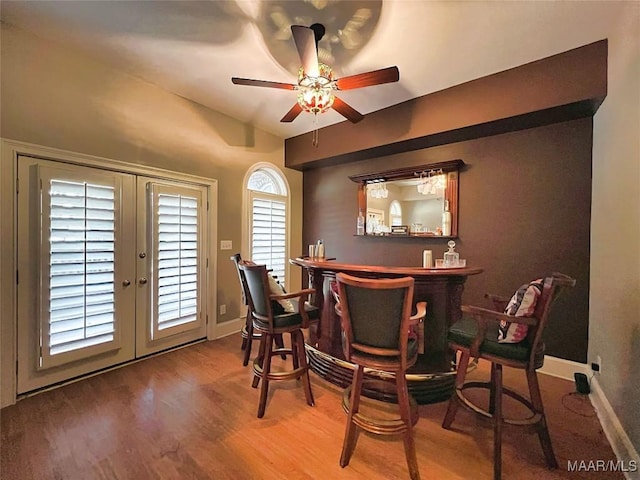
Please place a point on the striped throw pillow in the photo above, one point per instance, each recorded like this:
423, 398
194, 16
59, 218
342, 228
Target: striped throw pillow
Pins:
522, 304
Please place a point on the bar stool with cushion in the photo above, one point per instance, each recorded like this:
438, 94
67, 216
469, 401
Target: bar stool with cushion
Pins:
377, 323
248, 334
297, 315
517, 343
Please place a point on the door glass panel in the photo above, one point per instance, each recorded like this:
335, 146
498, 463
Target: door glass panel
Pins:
78, 270
177, 247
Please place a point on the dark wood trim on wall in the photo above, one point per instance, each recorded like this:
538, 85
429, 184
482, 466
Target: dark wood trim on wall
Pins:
563, 87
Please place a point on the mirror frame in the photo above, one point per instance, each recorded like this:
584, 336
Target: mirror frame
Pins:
450, 168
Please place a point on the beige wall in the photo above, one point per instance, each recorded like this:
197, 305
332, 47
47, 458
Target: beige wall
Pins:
58, 98
614, 327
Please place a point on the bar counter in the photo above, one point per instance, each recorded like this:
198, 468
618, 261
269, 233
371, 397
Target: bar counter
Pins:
432, 378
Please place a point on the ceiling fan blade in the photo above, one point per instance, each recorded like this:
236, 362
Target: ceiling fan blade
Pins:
262, 83
305, 40
376, 77
292, 114
346, 110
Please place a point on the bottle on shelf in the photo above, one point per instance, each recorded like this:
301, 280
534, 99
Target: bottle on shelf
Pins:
446, 220
360, 224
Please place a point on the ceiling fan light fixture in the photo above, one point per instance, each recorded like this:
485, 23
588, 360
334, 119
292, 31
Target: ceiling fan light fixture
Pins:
315, 99
325, 75
315, 94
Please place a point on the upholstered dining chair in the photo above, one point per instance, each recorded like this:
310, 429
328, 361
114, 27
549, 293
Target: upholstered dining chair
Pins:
480, 334
298, 314
247, 332
377, 324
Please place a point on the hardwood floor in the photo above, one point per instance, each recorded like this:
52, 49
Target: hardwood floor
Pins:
191, 414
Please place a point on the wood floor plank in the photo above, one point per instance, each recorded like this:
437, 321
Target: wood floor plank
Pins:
191, 414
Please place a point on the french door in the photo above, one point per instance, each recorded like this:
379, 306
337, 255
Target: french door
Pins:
111, 267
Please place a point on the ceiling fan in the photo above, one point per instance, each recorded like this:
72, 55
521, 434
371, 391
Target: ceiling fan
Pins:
316, 85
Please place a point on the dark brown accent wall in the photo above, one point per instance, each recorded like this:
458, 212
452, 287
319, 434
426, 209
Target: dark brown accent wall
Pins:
525, 201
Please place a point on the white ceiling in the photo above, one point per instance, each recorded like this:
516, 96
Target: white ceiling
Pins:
193, 48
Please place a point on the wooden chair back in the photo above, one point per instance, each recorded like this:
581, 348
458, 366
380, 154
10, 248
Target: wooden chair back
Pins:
376, 316
551, 288
236, 259
258, 292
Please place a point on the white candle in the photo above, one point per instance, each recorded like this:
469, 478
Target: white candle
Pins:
427, 259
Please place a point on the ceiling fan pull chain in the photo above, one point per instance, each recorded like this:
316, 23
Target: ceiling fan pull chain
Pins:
316, 133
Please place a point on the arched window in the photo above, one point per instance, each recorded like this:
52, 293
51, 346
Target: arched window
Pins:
268, 215
268, 181
395, 213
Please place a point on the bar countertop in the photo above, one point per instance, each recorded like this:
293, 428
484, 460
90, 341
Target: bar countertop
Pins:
333, 266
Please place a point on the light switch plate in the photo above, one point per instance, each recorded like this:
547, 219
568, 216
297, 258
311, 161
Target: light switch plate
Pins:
226, 244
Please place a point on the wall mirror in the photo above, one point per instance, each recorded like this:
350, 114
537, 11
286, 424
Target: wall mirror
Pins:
414, 201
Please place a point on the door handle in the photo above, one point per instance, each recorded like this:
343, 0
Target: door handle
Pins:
126, 283
142, 280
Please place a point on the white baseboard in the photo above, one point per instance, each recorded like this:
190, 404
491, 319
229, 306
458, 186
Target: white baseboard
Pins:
561, 368
229, 327
618, 438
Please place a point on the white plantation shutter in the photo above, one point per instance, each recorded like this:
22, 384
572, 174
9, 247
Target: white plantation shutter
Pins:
268, 232
77, 281
176, 283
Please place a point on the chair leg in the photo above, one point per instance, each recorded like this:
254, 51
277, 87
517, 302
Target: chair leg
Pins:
280, 344
405, 414
497, 424
266, 368
246, 342
350, 435
463, 364
541, 427
295, 356
492, 390
301, 355
248, 330
244, 338
260, 360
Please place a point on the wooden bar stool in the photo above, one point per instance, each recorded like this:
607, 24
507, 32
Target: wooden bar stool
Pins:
377, 334
270, 326
247, 332
476, 336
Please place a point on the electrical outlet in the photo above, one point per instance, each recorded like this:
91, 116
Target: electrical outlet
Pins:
597, 365
226, 244
223, 309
